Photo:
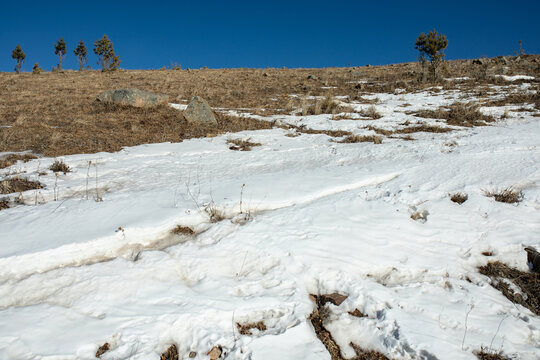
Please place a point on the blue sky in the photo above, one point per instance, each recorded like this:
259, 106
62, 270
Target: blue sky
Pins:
220, 34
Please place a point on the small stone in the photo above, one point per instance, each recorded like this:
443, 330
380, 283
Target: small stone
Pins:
333, 298
192, 354
215, 352
199, 112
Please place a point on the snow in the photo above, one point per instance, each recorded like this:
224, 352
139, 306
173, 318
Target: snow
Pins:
515, 77
322, 217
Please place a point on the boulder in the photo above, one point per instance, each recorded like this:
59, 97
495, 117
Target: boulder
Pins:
132, 97
199, 112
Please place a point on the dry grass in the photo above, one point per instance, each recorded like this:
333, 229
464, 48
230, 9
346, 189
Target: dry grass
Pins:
527, 282
17, 185
60, 166
4, 204
371, 112
485, 354
508, 195
241, 144
182, 230
170, 354
459, 198
420, 216
12, 159
352, 139
245, 329
458, 114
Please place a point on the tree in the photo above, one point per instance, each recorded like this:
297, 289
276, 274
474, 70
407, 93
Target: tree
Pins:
19, 55
80, 53
36, 70
431, 48
103, 48
60, 50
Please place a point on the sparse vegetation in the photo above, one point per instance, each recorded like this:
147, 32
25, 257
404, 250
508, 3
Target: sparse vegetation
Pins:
459, 198
12, 159
371, 112
241, 144
508, 195
102, 349
104, 49
246, 329
182, 230
18, 55
60, 166
170, 354
36, 70
486, 354
420, 216
351, 139
458, 114
18, 185
4, 204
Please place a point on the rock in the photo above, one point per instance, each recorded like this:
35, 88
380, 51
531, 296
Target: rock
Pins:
192, 354
311, 77
102, 349
479, 61
533, 259
132, 97
215, 353
199, 112
333, 298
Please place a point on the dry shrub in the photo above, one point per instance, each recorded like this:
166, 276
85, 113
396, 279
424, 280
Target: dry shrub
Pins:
170, 354
420, 216
245, 329
352, 139
214, 213
242, 145
458, 114
102, 349
13, 158
4, 204
60, 166
485, 354
459, 198
527, 282
182, 230
371, 112
508, 195
17, 185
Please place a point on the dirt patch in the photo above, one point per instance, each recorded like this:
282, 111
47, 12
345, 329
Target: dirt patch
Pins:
245, 329
170, 354
527, 282
508, 195
13, 158
459, 198
182, 230
241, 144
18, 184
102, 349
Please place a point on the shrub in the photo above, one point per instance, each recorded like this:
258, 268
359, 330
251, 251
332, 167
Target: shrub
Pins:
80, 53
60, 50
19, 55
508, 195
103, 48
459, 198
431, 48
60, 166
36, 70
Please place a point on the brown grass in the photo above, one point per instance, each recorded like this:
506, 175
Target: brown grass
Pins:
241, 144
351, 139
182, 230
245, 329
170, 354
459, 198
485, 354
508, 195
18, 184
371, 112
60, 166
528, 282
458, 114
12, 159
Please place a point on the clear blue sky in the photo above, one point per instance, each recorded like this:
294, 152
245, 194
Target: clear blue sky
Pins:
226, 34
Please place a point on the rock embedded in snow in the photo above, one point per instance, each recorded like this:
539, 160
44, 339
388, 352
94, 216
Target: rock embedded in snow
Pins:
132, 97
215, 353
199, 112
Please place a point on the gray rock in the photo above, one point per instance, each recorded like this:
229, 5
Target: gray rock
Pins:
132, 97
199, 112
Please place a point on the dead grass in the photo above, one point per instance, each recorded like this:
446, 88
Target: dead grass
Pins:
458, 114
245, 329
12, 159
459, 198
371, 112
241, 144
485, 354
352, 139
527, 282
4, 204
17, 185
422, 128
102, 349
508, 195
60, 166
170, 354
182, 230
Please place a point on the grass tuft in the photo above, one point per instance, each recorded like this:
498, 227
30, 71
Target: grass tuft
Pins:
352, 139
241, 145
508, 195
13, 158
245, 329
60, 166
459, 198
182, 230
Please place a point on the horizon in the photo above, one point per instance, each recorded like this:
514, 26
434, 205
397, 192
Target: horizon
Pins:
246, 35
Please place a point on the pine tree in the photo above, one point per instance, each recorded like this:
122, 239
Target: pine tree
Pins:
60, 50
80, 53
103, 48
19, 55
431, 48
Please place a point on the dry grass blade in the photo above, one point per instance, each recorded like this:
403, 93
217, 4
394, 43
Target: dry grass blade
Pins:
527, 282
459, 198
18, 184
508, 195
13, 158
245, 329
242, 145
